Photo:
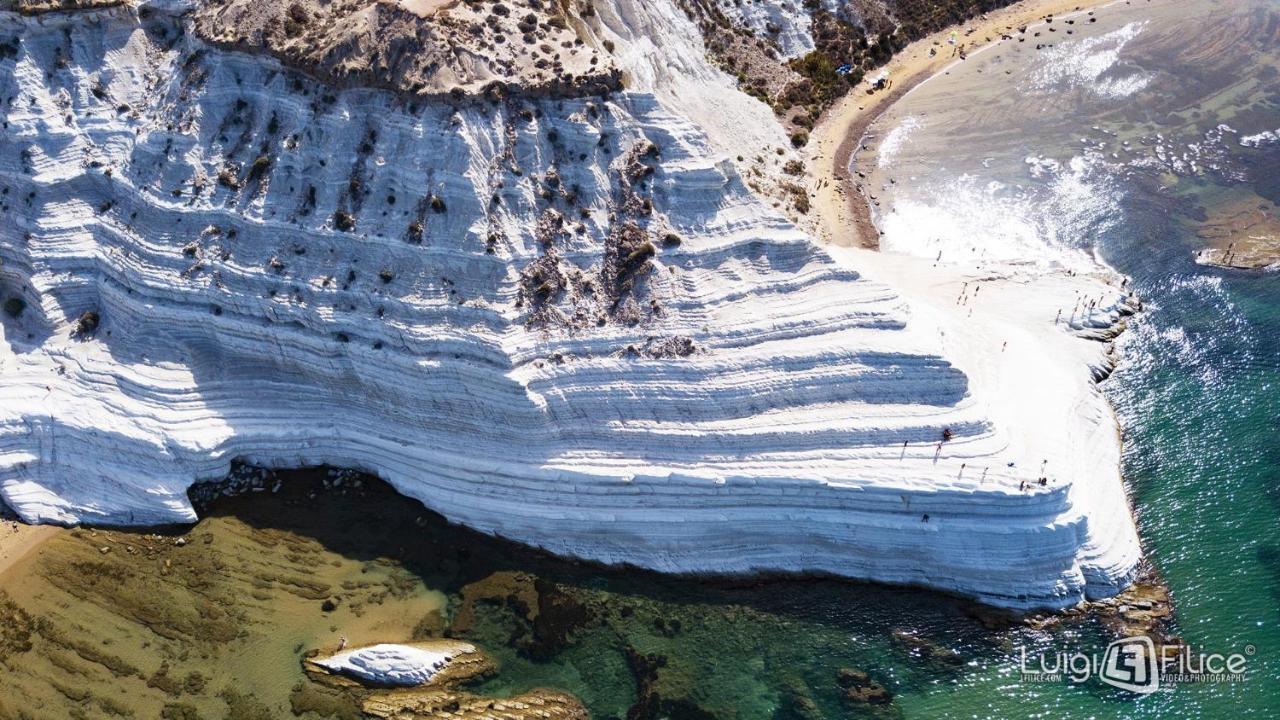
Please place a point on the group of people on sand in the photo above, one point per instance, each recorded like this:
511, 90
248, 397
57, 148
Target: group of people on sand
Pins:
1084, 305
947, 435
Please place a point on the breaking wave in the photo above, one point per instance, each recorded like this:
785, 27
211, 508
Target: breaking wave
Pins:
1266, 137
1047, 221
1091, 64
897, 137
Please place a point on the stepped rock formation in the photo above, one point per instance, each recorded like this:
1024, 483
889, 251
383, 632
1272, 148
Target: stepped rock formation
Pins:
554, 313
391, 664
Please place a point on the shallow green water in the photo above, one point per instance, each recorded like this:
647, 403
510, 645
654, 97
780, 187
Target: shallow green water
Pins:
1124, 146
243, 599
1198, 393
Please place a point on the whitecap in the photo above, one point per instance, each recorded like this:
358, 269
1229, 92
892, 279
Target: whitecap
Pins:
897, 137
1266, 137
1091, 64
1049, 223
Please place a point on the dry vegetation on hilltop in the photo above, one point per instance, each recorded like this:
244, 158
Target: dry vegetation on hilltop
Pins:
469, 46
36, 7
427, 47
865, 36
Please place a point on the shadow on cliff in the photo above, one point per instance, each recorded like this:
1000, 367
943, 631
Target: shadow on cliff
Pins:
373, 522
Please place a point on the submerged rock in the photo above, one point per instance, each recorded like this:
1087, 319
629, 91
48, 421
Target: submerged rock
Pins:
860, 689
536, 704
925, 649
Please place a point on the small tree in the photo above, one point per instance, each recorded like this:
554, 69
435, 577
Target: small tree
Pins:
87, 324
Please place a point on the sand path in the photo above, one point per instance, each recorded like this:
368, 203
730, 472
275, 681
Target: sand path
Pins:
18, 539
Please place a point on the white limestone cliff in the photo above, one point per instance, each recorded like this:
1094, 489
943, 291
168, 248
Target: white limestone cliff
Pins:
565, 321
393, 664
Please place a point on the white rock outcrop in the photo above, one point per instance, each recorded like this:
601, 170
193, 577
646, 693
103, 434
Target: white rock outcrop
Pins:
563, 321
789, 23
389, 664
786, 22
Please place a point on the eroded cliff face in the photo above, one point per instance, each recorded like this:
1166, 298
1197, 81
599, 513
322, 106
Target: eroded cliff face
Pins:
420, 47
800, 56
554, 313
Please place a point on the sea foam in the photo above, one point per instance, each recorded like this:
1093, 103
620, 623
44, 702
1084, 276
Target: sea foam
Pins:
1045, 221
897, 137
1091, 64
1266, 137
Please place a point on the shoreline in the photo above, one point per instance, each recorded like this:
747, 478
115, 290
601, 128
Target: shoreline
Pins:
842, 214
1095, 558
19, 540
1010, 344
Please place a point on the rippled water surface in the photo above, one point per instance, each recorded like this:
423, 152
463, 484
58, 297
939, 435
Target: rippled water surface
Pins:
1122, 142
1118, 141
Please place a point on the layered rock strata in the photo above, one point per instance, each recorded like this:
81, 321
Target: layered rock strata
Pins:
556, 317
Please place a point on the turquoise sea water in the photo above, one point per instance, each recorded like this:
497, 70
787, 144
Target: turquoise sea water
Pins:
1116, 141
1109, 142
1122, 141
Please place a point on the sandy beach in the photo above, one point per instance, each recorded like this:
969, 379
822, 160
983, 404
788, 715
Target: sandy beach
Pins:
1035, 375
18, 539
841, 217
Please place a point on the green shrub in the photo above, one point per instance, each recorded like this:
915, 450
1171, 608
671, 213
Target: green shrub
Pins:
259, 167
87, 323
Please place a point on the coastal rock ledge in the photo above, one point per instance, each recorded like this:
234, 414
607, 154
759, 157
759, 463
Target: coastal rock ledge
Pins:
559, 317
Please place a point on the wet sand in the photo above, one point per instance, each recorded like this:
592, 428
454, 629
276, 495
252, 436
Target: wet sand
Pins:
842, 215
